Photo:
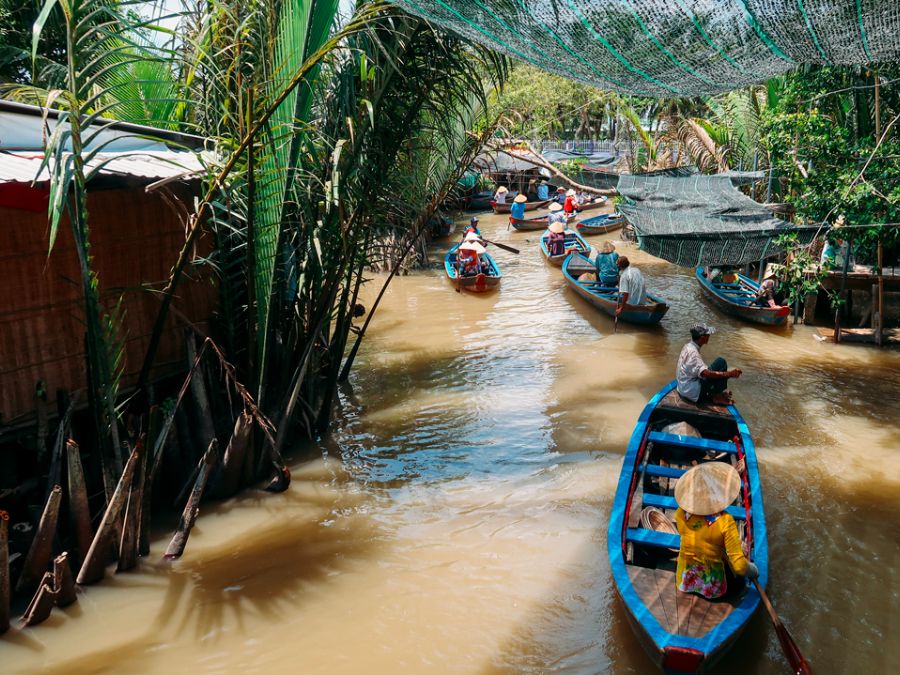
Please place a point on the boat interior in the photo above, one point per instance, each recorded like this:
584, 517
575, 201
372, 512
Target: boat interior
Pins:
651, 541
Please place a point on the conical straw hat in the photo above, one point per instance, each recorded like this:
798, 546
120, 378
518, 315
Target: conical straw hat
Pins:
607, 247
557, 227
708, 488
570, 192
520, 198
502, 189
555, 206
472, 246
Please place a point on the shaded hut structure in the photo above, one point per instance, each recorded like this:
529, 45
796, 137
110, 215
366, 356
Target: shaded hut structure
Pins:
136, 234
514, 172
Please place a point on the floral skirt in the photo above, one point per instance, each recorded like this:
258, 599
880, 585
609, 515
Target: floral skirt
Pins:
704, 579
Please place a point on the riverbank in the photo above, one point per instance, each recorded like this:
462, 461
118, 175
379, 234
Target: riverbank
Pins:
455, 519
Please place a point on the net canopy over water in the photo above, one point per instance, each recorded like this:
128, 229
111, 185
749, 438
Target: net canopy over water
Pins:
674, 47
702, 220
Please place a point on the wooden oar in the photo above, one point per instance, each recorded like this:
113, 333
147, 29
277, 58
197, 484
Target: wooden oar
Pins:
499, 245
788, 646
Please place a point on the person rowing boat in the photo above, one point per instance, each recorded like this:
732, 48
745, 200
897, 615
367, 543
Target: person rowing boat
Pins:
698, 382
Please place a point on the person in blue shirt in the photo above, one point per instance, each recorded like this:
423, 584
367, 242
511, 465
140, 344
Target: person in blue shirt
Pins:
543, 191
607, 269
517, 210
471, 227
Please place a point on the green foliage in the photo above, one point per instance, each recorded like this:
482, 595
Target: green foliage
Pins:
801, 275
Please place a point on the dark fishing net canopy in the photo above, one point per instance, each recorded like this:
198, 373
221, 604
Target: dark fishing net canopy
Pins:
674, 47
703, 220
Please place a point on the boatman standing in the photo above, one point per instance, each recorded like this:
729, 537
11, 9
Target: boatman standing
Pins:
698, 382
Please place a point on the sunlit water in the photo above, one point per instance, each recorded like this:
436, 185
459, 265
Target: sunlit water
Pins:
455, 520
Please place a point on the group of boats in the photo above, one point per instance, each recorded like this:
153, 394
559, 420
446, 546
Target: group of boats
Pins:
682, 632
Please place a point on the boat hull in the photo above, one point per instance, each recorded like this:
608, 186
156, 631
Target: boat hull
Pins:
679, 651
592, 206
532, 224
480, 283
600, 224
529, 206
736, 300
581, 246
605, 300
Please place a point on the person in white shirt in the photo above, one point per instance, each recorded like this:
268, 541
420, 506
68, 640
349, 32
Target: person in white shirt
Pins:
631, 285
500, 195
698, 382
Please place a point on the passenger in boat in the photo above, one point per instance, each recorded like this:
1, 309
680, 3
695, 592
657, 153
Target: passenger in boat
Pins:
698, 382
472, 227
561, 195
543, 191
556, 239
517, 210
571, 202
556, 215
709, 535
500, 195
607, 270
468, 257
532, 190
631, 285
768, 294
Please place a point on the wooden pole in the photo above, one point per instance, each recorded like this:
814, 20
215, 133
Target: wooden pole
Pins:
42, 603
4, 572
63, 583
235, 459
192, 508
877, 108
94, 565
38, 557
79, 509
837, 313
128, 543
879, 330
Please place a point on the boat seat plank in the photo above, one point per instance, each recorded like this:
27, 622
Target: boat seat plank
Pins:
666, 502
673, 401
664, 471
692, 442
652, 538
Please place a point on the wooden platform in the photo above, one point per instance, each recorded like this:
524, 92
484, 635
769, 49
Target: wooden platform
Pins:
672, 401
677, 612
890, 336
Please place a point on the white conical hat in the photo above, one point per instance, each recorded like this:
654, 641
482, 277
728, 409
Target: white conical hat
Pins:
472, 237
570, 192
520, 198
472, 246
557, 227
556, 206
502, 189
708, 488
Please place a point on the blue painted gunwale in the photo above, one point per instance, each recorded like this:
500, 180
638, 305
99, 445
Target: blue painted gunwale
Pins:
719, 638
581, 246
492, 280
606, 298
600, 224
738, 300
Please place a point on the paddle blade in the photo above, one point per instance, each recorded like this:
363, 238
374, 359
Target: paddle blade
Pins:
799, 666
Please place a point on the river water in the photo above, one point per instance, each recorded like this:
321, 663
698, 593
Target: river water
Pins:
455, 519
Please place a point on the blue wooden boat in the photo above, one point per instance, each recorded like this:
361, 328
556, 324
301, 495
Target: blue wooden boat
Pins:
600, 224
574, 243
479, 283
682, 632
738, 299
605, 298
531, 224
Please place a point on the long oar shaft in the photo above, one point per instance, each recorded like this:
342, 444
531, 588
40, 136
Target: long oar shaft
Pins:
503, 246
788, 646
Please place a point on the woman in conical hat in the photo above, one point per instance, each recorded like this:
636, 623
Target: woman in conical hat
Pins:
517, 210
500, 195
709, 535
605, 262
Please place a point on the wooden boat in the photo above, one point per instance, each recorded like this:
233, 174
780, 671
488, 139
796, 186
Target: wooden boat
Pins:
529, 206
605, 298
593, 204
738, 299
682, 632
480, 201
600, 224
480, 283
574, 242
536, 223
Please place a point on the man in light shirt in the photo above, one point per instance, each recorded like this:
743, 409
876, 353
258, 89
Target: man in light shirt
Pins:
698, 382
631, 285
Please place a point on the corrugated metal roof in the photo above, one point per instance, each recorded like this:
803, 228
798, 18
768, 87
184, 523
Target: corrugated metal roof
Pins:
25, 166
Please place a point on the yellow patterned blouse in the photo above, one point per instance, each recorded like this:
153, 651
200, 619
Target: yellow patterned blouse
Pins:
706, 541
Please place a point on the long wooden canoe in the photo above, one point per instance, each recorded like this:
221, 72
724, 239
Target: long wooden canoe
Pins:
739, 299
479, 283
600, 224
574, 243
682, 632
593, 204
529, 206
605, 298
531, 224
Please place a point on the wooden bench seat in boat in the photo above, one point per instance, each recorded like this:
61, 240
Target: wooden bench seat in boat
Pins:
664, 471
639, 535
666, 502
692, 442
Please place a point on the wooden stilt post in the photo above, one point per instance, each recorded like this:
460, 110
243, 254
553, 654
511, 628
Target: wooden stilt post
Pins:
128, 543
79, 510
63, 583
235, 458
4, 572
41, 604
879, 330
192, 508
38, 558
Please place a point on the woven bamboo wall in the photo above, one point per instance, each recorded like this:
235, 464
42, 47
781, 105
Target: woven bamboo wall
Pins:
136, 239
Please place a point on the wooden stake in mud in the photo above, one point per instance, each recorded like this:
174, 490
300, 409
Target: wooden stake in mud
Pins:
192, 508
235, 460
198, 392
63, 583
79, 511
128, 544
93, 567
38, 557
4, 572
42, 603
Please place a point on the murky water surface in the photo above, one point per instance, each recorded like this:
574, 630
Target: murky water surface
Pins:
455, 520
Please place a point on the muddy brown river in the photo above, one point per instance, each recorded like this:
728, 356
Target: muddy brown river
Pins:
455, 519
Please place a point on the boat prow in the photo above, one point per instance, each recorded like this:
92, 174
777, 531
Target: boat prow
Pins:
682, 632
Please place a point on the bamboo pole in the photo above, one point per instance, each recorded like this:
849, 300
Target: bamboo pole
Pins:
192, 508
79, 509
198, 391
41, 604
38, 557
63, 583
4, 572
128, 543
93, 567
235, 458
879, 331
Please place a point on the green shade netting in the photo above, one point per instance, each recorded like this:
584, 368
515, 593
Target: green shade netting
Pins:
702, 220
674, 47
